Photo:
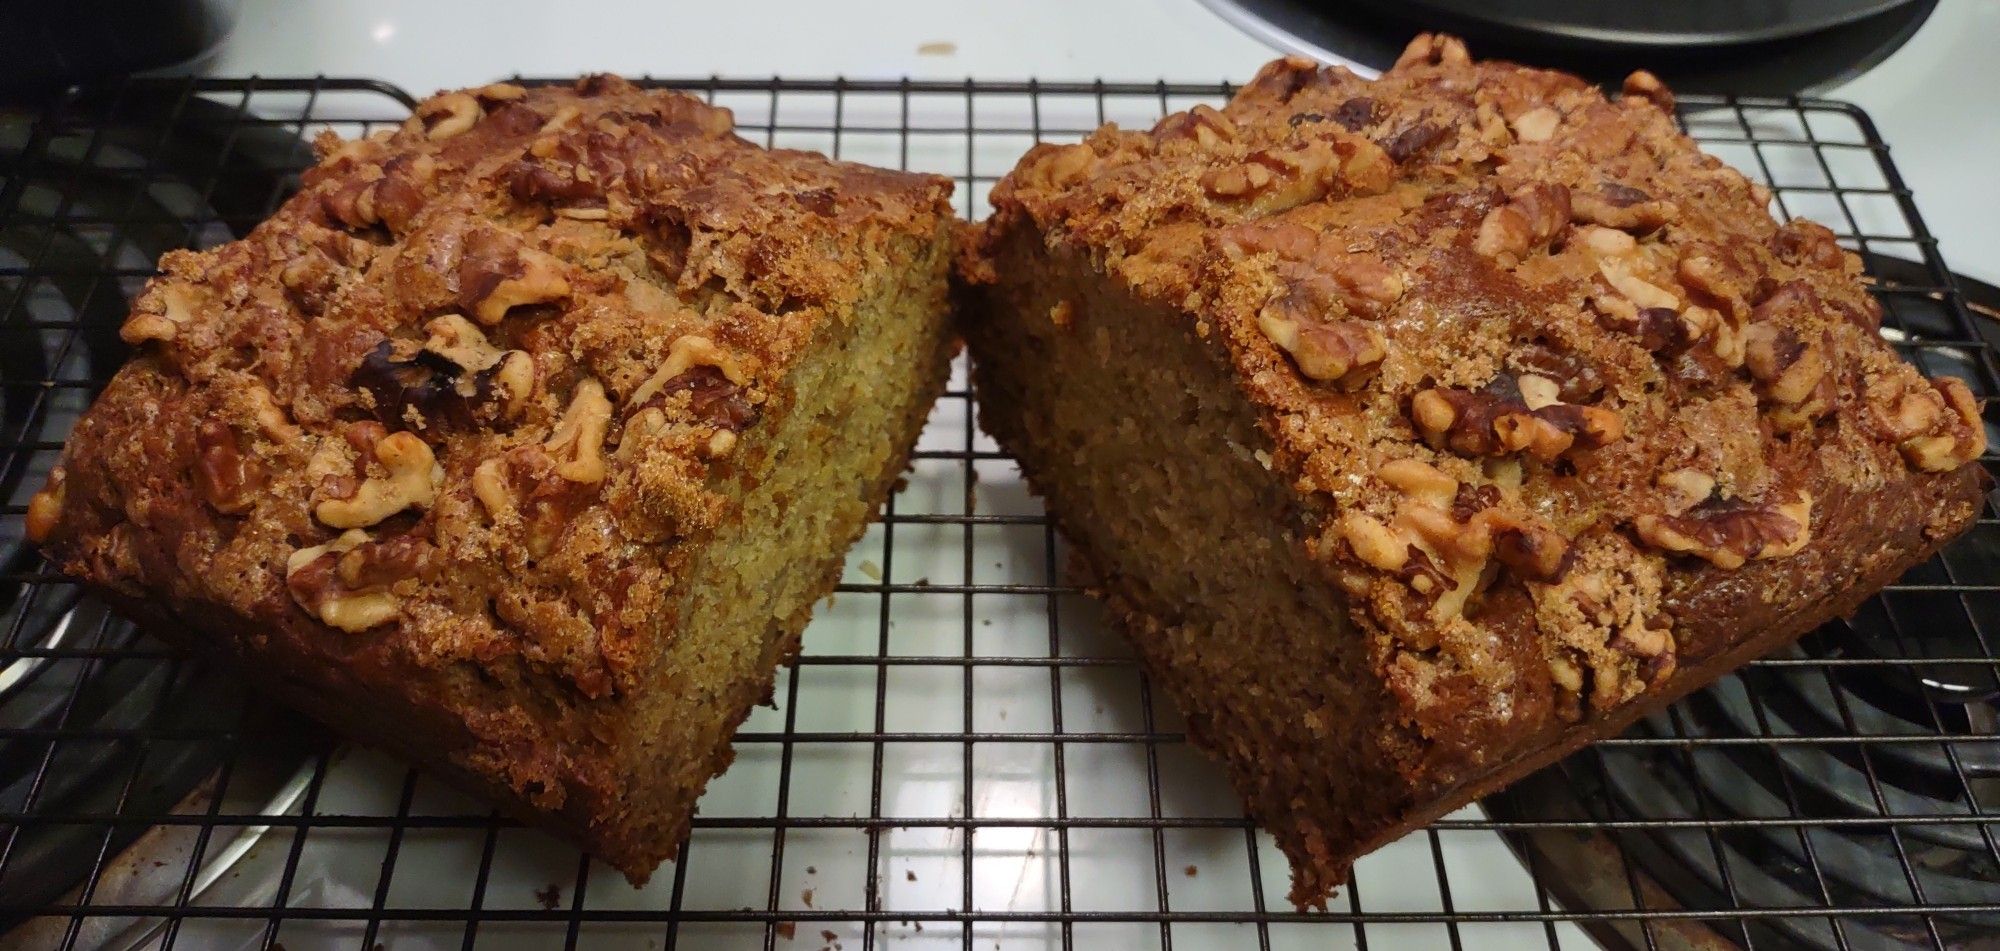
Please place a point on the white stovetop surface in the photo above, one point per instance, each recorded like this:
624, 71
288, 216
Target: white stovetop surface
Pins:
1932, 101
1936, 100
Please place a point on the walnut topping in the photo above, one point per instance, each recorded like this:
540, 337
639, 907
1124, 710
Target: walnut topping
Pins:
1729, 532
1434, 49
1373, 542
226, 477
339, 583
1613, 205
456, 379
499, 92
498, 272
411, 480
489, 486
1936, 430
1808, 243
1204, 125
1497, 420
1534, 552
159, 314
1791, 374
45, 508
578, 440
1537, 124
1645, 86
1277, 178
1534, 215
1444, 535
688, 352
1685, 488
1420, 480
1060, 166
448, 115
1345, 352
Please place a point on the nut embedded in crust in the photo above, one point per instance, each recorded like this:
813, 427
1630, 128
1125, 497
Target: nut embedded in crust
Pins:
45, 508
578, 441
319, 580
499, 273
1343, 352
1729, 532
1496, 420
411, 482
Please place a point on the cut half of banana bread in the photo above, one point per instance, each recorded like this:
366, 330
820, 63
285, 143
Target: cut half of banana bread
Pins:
1420, 431
522, 439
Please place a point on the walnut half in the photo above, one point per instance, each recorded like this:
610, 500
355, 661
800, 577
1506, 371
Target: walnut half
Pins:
411, 480
1729, 532
332, 583
1510, 415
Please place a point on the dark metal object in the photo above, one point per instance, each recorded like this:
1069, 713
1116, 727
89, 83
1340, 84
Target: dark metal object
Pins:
1372, 33
1691, 23
1722, 820
52, 43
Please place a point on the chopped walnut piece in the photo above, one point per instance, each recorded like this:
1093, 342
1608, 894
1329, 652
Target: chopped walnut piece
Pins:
686, 353
1686, 488
448, 115
1641, 292
1496, 420
1791, 374
412, 480
1537, 124
1203, 125
1627, 209
489, 486
1061, 165
1343, 351
1275, 179
1373, 542
1803, 241
455, 380
315, 578
1534, 552
1936, 431
1434, 49
159, 314
1729, 532
1534, 215
227, 478
45, 508
498, 272
1420, 480
578, 440
1647, 87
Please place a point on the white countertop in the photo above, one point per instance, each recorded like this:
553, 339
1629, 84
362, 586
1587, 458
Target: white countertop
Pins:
1934, 100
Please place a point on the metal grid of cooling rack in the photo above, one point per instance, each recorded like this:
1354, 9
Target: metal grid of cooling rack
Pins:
963, 756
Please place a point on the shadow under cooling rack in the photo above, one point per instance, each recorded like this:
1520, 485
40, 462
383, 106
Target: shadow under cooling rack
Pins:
964, 756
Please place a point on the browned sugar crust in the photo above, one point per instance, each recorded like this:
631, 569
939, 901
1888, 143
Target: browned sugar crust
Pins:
1570, 422
433, 450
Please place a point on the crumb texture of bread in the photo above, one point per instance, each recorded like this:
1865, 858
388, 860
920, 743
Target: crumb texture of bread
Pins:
522, 438
1421, 430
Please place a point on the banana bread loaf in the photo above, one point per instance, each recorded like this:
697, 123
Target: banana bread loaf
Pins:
1420, 431
522, 439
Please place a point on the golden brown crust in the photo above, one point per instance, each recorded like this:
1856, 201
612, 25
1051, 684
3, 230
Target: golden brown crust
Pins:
449, 424
1564, 408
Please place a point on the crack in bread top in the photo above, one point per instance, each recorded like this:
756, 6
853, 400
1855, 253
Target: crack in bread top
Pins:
1535, 362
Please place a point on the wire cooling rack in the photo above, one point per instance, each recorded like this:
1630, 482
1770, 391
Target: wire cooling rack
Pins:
963, 757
